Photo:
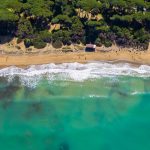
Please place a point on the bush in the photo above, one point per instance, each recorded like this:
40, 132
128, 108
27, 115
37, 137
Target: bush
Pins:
78, 42
98, 42
45, 36
57, 44
69, 43
27, 43
38, 43
61, 35
108, 43
55, 20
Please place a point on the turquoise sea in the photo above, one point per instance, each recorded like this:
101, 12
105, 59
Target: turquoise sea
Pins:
93, 106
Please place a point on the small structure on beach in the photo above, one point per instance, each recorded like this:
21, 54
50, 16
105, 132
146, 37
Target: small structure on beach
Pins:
90, 48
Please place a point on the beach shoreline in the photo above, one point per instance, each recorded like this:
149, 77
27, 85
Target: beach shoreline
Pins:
80, 57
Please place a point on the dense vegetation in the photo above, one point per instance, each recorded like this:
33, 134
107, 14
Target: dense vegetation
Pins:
37, 22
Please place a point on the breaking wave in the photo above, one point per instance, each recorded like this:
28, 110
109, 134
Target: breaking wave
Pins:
74, 71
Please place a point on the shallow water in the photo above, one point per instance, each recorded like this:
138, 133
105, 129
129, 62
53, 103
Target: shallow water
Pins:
75, 107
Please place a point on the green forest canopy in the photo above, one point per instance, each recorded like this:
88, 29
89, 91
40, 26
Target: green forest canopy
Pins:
125, 22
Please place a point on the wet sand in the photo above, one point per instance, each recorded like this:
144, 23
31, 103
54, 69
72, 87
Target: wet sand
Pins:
81, 57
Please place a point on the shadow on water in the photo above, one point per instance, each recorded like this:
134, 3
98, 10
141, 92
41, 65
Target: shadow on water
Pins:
8, 90
34, 109
28, 92
116, 88
147, 85
64, 146
122, 93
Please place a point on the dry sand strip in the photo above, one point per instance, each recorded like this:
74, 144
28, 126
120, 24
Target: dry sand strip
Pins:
82, 57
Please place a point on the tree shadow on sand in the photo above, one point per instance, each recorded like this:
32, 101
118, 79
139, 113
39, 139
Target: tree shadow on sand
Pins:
5, 39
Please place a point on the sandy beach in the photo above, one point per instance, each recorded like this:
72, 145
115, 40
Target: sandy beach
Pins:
81, 57
12, 56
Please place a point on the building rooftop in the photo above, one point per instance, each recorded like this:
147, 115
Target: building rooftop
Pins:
90, 46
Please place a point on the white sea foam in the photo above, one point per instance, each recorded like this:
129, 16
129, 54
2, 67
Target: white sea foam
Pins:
97, 96
74, 71
139, 93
